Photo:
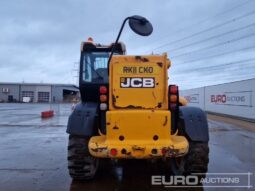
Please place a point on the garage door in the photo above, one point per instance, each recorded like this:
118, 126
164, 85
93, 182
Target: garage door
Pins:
27, 94
43, 96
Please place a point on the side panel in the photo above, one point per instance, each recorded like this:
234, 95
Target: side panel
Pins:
195, 123
82, 121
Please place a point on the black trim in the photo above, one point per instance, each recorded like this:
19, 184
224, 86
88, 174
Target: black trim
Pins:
83, 120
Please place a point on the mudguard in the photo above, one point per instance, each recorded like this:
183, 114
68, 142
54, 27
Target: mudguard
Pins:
194, 122
82, 121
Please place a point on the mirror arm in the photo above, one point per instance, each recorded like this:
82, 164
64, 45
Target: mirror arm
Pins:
117, 39
116, 42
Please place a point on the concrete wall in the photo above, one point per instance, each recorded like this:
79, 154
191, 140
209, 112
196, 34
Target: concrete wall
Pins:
236, 99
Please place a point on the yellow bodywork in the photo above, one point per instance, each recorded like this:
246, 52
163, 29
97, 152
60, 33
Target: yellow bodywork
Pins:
139, 67
138, 122
135, 133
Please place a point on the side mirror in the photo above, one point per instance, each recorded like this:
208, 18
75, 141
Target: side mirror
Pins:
140, 25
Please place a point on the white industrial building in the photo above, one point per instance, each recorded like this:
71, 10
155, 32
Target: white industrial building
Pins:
37, 92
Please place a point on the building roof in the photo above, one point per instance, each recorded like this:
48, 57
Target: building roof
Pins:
38, 84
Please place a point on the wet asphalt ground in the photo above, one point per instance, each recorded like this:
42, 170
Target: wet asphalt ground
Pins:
33, 154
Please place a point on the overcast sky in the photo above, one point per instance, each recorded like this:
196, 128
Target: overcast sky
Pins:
208, 41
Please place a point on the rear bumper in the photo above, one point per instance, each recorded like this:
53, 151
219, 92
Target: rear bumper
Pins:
101, 148
138, 134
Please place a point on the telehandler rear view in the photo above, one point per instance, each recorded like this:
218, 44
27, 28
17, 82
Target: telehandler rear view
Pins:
128, 111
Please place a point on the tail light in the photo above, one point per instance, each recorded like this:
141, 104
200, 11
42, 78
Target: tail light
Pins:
103, 106
103, 89
113, 152
164, 151
173, 106
103, 98
173, 98
173, 89
173, 94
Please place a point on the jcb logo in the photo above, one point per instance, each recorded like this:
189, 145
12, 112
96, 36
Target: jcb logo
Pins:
137, 82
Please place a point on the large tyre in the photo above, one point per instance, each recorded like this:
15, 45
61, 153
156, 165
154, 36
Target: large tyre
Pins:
81, 164
196, 161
